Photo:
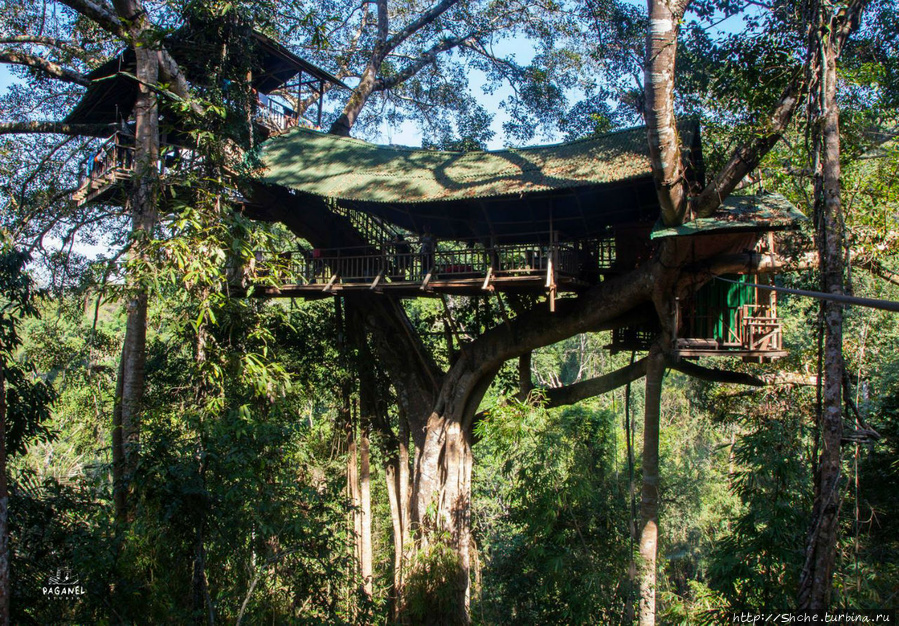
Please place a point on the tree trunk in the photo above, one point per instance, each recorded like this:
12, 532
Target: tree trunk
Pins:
361, 93
441, 497
119, 488
649, 508
661, 125
352, 483
525, 385
396, 472
391, 475
143, 199
5, 589
817, 576
365, 548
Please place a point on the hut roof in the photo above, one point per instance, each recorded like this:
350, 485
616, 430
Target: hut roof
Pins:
579, 189
113, 90
354, 170
758, 212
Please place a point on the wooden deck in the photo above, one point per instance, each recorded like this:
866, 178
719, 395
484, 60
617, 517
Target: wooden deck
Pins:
395, 270
473, 286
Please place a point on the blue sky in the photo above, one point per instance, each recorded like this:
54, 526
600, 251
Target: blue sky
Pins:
523, 51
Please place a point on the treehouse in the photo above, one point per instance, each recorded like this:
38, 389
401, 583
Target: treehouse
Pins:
543, 220
110, 99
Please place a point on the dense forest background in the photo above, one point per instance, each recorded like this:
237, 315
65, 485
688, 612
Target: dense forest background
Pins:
240, 507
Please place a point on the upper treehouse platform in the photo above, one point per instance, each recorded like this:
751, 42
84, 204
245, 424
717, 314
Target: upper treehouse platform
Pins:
547, 219
110, 98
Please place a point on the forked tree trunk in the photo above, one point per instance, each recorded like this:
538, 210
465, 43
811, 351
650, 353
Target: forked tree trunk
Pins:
441, 495
817, 575
649, 507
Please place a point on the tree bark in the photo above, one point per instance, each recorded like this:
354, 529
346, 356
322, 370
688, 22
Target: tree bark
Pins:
361, 93
5, 589
649, 507
56, 128
143, 205
525, 384
41, 65
661, 126
352, 483
817, 577
351, 110
441, 492
119, 488
365, 545
391, 476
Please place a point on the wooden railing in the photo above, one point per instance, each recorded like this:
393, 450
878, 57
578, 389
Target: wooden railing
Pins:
277, 117
114, 162
755, 327
759, 328
400, 262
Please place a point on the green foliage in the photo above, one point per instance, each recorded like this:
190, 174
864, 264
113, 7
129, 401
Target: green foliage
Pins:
27, 399
555, 523
757, 560
433, 585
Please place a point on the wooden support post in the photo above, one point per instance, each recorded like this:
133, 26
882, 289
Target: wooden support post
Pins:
377, 279
486, 286
299, 94
331, 282
321, 96
424, 283
551, 275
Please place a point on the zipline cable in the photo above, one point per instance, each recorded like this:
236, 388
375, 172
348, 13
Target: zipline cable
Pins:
873, 303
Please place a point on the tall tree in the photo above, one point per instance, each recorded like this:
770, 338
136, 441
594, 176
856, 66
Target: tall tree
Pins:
826, 40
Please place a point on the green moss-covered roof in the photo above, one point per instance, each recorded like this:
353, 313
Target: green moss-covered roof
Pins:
764, 211
350, 169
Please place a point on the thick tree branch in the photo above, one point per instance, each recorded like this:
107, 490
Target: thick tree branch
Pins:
56, 128
747, 156
51, 42
51, 69
419, 63
571, 394
423, 20
100, 13
847, 21
730, 377
608, 305
106, 18
383, 23
878, 269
